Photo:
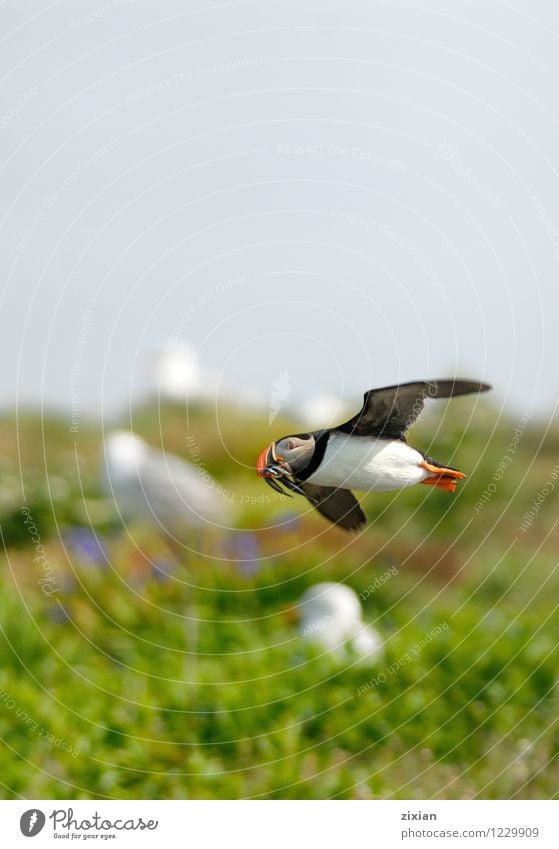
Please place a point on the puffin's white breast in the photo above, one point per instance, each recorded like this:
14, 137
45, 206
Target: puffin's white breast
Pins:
368, 464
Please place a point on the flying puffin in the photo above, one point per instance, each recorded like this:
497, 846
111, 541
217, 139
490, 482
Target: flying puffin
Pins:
369, 452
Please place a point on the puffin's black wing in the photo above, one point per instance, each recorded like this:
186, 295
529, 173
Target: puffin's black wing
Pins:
389, 412
338, 505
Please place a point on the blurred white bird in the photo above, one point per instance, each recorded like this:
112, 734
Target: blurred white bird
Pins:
160, 489
330, 615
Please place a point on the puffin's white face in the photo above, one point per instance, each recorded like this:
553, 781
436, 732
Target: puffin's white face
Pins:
284, 459
294, 451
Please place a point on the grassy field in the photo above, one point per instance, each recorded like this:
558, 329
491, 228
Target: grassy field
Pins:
129, 672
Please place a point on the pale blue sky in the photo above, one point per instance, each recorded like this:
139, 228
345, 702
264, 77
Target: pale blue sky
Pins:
380, 181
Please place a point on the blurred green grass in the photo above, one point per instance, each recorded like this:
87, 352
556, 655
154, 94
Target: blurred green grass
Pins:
189, 680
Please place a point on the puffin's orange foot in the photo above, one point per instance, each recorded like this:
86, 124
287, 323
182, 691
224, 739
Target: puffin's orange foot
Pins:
442, 478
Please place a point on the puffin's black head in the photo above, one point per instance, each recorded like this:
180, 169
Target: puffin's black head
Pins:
284, 459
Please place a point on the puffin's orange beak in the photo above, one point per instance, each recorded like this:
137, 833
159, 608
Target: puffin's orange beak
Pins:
265, 459
272, 468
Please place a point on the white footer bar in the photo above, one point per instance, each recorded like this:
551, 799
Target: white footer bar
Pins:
281, 824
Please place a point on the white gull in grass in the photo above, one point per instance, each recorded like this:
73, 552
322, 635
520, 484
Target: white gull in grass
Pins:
330, 616
160, 489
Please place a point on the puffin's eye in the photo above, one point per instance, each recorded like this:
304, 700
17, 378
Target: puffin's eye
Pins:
291, 445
